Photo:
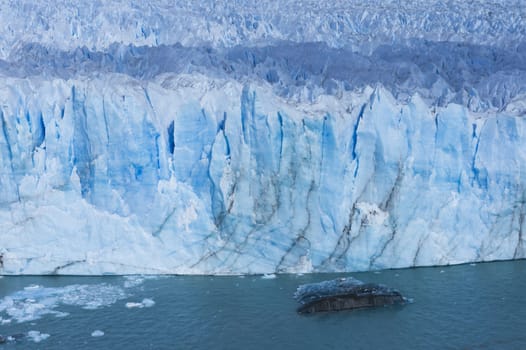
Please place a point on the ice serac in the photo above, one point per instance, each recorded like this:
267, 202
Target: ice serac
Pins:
262, 144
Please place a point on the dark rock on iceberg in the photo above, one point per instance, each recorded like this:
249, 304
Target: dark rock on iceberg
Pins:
345, 294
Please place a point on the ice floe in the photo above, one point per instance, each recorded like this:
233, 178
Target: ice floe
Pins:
34, 302
36, 336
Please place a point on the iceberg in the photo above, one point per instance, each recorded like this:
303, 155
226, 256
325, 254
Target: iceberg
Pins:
345, 294
215, 138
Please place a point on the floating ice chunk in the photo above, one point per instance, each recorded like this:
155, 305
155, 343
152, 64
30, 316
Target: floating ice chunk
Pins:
15, 337
133, 281
92, 296
36, 336
34, 302
131, 305
345, 294
146, 302
32, 287
268, 276
97, 333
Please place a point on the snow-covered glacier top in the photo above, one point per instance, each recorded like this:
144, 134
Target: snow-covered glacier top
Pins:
98, 24
471, 53
260, 136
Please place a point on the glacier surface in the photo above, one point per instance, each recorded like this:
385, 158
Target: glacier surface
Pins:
239, 137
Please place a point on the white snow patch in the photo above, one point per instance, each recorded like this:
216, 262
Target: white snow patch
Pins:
372, 214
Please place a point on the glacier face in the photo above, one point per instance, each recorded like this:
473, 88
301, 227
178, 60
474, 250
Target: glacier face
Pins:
225, 138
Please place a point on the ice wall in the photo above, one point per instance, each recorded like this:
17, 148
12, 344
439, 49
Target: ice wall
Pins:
260, 153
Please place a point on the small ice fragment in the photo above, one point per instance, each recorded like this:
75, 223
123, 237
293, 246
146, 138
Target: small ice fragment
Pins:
472, 264
97, 333
131, 305
144, 303
268, 276
32, 287
36, 336
133, 281
377, 272
4, 321
442, 271
148, 302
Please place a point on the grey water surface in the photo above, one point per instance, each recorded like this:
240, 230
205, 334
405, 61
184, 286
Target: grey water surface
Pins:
478, 306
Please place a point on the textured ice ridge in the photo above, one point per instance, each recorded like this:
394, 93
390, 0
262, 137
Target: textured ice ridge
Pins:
357, 24
290, 145
483, 78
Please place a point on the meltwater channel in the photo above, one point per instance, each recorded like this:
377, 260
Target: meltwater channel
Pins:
478, 306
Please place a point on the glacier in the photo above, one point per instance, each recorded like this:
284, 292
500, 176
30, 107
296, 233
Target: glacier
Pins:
235, 137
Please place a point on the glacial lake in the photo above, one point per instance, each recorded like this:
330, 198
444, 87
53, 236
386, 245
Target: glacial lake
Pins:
478, 306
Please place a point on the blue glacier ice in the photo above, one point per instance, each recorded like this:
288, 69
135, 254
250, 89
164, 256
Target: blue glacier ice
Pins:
237, 137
